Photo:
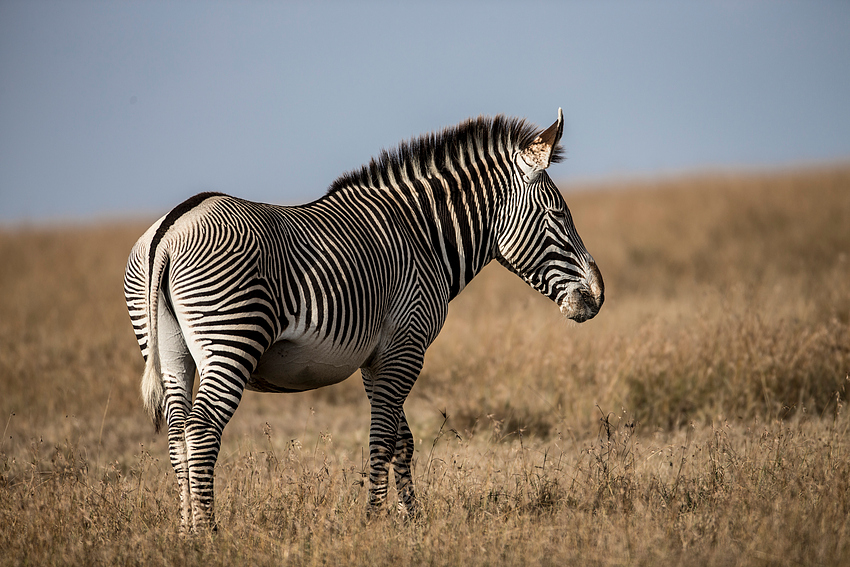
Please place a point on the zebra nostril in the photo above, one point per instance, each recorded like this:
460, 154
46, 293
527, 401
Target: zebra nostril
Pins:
591, 300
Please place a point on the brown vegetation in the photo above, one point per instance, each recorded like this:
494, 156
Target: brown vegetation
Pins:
699, 419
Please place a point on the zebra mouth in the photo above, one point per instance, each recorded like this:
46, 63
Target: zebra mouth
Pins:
580, 305
583, 302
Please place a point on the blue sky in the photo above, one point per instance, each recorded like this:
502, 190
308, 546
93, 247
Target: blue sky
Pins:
126, 108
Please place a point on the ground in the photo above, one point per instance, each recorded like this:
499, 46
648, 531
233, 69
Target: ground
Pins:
699, 419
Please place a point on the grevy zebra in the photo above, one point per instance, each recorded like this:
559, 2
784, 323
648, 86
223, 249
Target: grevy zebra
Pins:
287, 299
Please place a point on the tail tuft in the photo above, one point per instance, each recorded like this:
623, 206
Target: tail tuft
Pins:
153, 394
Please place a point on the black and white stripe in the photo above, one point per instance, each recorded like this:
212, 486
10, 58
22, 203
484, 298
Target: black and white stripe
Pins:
284, 299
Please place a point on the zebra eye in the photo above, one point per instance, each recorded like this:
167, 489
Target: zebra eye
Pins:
558, 213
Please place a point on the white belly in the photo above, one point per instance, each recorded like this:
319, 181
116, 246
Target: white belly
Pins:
290, 366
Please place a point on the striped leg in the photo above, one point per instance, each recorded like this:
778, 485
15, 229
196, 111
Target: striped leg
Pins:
177, 406
230, 345
218, 395
389, 435
382, 436
401, 468
178, 376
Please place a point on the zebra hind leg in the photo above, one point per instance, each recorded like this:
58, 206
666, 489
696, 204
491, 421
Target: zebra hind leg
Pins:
178, 376
177, 406
216, 401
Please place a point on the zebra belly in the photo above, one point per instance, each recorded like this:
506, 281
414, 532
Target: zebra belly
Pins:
291, 367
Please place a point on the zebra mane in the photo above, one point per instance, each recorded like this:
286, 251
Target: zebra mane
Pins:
417, 157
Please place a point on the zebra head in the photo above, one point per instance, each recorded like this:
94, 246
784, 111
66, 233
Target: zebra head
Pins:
536, 238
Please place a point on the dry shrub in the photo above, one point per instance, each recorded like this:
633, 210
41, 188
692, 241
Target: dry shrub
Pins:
738, 367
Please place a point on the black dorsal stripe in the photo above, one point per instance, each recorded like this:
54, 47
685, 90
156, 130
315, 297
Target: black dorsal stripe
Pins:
171, 218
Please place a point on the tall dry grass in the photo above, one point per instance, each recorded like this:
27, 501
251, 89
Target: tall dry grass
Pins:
699, 419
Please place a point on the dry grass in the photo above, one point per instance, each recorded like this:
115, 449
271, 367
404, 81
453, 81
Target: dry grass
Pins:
698, 419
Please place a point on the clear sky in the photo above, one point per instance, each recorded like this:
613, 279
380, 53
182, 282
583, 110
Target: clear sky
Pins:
126, 108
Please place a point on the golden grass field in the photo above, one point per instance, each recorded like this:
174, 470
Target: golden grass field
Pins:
699, 419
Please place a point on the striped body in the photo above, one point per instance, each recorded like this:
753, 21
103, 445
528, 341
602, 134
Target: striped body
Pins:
282, 299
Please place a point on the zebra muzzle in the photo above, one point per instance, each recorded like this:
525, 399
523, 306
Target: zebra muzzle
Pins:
584, 301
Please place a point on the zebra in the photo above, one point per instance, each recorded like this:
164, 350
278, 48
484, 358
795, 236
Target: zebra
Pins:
287, 299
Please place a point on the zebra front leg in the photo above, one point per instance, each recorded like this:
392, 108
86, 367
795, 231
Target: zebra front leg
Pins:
387, 386
382, 440
217, 399
402, 468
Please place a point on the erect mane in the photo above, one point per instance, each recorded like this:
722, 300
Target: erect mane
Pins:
413, 158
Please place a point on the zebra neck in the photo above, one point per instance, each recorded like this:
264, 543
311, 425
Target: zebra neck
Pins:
455, 223
450, 225
464, 236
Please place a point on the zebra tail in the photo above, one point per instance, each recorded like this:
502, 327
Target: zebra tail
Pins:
153, 391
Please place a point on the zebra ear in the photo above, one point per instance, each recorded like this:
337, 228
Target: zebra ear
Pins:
543, 150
